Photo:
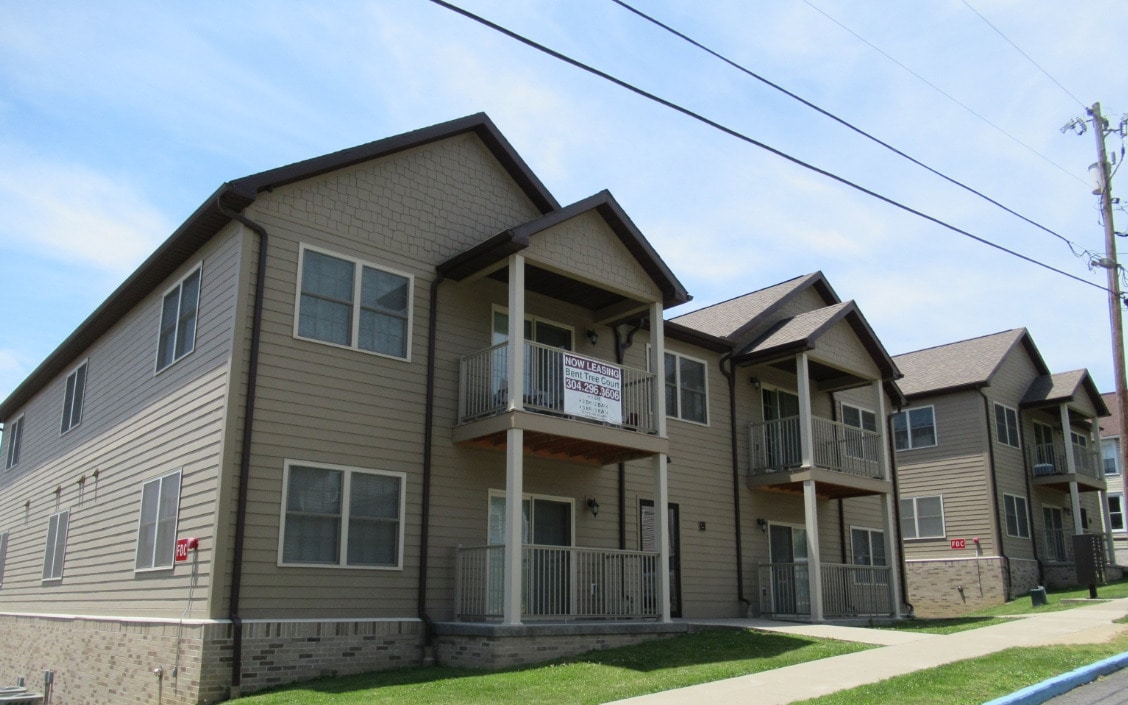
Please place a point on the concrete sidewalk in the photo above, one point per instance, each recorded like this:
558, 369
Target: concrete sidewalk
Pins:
899, 653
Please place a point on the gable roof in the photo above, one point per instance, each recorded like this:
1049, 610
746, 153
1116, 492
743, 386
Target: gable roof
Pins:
966, 364
729, 319
1110, 425
210, 217
1062, 387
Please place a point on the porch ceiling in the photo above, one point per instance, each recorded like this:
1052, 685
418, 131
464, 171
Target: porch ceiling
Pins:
552, 447
1061, 483
828, 484
828, 378
563, 288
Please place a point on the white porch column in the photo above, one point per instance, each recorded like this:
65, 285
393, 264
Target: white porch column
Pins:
892, 550
1095, 439
814, 565
514, 525
661, 488
1071, 468
806, 442
515, 366
882, 432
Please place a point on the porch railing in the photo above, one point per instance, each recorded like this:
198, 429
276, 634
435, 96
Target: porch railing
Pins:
777, 446
1050, 459
1057, 546
558, 583
484, 386
847, 590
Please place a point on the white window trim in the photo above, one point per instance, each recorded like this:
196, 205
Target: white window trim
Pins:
1123, 513
176, 524
863, 410
1114, 441
1025, 508
160, 319
916, 518
909, 428
529, 318
570, 501
704, 367
1006, 421
870, 531
50, 553
354, 334
13, 442
343, 550
68, 414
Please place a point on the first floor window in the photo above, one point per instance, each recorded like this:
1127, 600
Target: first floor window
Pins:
868, 546
686, 396
156, 533
350, 303
922, 517
178, 320
1006, 425
56, 546
13, 436
914, 428
1116, 511
72, 398
1017, 518
338, 516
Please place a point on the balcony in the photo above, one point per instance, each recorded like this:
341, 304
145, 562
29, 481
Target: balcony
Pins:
574, 407
558, 583
1049, 466
848, 590
846, 459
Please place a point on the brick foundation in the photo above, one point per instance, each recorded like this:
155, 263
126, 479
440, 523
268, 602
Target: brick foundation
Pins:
935, 585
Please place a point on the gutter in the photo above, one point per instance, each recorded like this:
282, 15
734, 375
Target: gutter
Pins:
730, 375
248, 430
428, 435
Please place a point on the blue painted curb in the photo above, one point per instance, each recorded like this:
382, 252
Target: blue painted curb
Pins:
1041, 692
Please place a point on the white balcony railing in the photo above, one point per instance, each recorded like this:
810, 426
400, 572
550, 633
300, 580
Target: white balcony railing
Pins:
777, 446
558, 583
848, 590
484, 387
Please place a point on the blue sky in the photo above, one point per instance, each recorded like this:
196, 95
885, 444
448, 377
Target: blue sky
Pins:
118, 119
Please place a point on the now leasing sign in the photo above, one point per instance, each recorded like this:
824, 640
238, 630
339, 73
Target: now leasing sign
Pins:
592, 389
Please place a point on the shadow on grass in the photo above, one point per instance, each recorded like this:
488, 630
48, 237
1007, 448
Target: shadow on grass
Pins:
947, 624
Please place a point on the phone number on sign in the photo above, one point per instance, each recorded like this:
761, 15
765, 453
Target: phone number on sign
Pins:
593, 389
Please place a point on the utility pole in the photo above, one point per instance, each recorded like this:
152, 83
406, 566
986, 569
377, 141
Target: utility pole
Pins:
1104, 186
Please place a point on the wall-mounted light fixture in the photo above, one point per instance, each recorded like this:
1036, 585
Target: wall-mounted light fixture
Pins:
593, 506
592, 336
762, 523
755, 382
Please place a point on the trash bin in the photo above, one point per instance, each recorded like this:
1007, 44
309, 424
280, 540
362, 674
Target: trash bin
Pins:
1038, 597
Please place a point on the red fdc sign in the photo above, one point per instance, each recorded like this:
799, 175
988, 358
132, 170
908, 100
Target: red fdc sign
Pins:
956, 543
181, 550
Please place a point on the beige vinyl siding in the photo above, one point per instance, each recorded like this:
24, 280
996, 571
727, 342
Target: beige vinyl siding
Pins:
136, 426
840, 348
957, 469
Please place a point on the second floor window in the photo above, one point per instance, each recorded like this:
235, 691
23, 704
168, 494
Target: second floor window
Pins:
13, 436
922, 517
1006, 425
686, 396
72, 398
1110, 453
914, 428
355, 305
178, 320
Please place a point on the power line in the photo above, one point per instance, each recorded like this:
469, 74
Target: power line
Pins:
745, 138
1020, 51
944, 93
1072, 245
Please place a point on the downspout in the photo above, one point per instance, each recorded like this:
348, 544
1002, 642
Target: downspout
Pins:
995, 491
245, 450
730, 375
621, 347
428, 434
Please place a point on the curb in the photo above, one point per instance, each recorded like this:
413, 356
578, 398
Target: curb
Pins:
1053, 687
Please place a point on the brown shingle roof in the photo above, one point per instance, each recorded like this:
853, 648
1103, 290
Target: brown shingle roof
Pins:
1058, 387
728, 319
1110, 425
798, 330
967, 363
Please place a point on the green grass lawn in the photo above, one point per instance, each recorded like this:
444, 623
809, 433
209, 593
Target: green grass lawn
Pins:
596, 677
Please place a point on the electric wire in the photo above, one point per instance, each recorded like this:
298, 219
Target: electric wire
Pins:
750, 140
1072, 245
1020, 51
947, 95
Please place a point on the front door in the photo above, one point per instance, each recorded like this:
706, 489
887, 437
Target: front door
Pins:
781, 433
1055, 534
790, 580
646, 521
545, 565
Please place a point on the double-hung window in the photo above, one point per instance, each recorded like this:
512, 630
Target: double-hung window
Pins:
686, 385
73, 397
1006, 425
354, 304
156, 532
868, 546
13, 437
179, 307
1017, 518
914, 428
922, 517
341, 517
1116, 511
56, 546
860, 445
1110, 454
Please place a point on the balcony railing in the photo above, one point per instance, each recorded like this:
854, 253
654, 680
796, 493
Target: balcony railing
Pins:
1050, 459
1057, 546
558, 583
777, 446
484, 388
848, 590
